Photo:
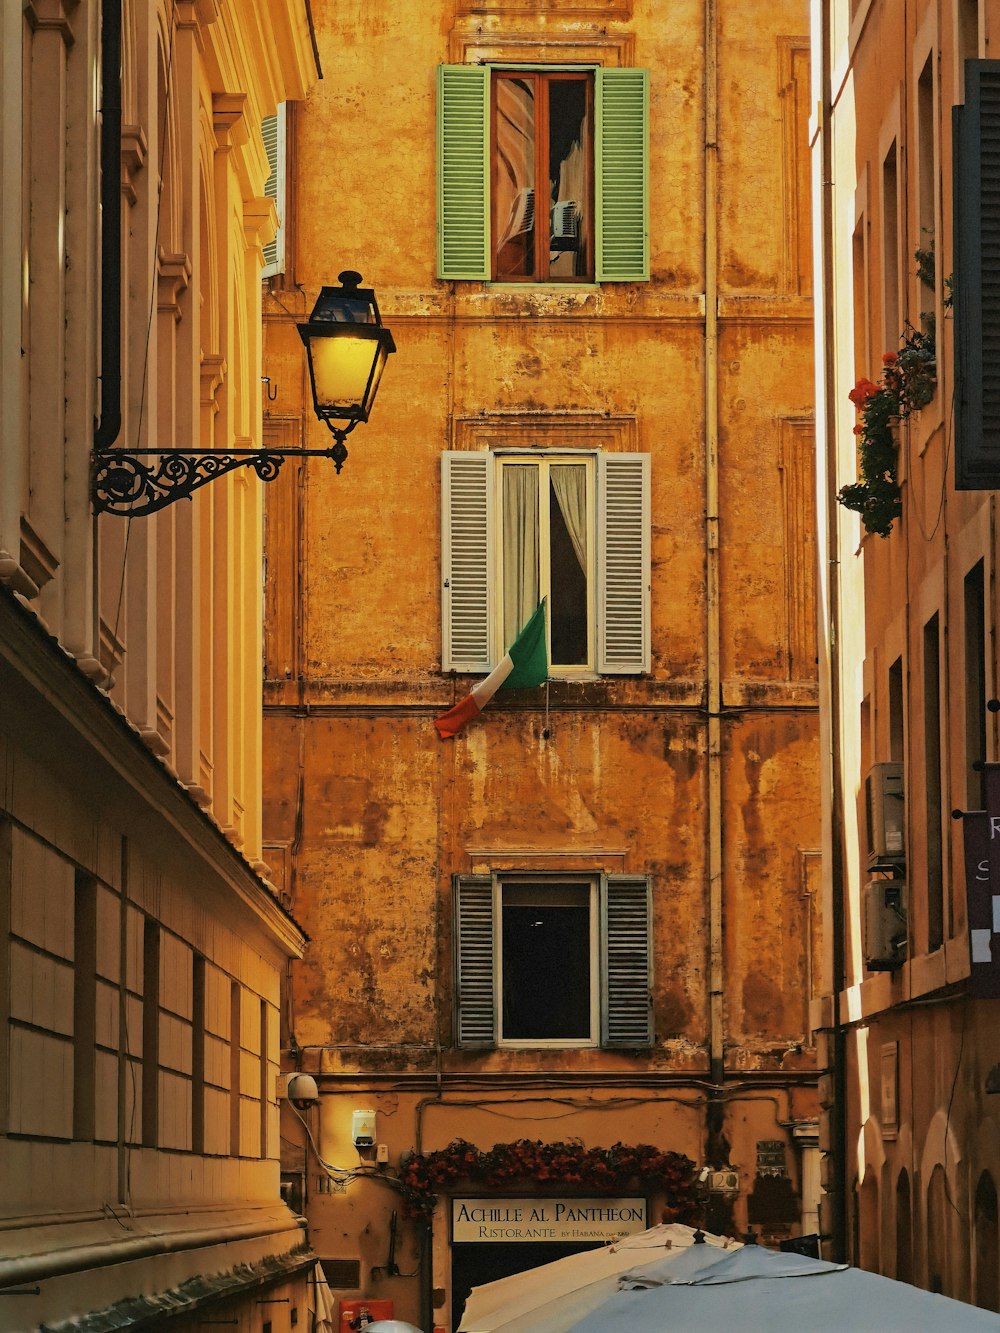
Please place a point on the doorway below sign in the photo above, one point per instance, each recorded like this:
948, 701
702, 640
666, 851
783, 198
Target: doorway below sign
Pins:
474, 1265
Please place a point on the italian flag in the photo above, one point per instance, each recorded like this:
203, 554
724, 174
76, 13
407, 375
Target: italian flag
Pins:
525, 664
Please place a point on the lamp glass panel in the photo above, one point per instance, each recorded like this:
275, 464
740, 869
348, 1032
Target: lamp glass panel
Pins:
341, 369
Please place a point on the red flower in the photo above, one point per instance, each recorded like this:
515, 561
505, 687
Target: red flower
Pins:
861, 392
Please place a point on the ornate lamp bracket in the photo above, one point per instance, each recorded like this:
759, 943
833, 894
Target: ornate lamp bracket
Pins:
124, 483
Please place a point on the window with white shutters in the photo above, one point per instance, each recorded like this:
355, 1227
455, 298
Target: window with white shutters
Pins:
572, 527
553, 961
272, 131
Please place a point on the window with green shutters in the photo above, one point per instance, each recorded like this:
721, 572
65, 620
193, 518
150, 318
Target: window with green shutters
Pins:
553, 961
509, 139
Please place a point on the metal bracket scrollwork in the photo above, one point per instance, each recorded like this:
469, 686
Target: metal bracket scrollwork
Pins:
123, 484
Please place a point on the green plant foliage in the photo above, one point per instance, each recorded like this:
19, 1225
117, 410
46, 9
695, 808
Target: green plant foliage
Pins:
531, 1162
907, 383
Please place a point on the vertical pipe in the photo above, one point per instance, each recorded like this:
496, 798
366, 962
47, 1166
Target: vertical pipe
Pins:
109, 425
713, 633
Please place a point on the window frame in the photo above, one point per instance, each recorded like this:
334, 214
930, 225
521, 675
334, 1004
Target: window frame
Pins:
623, 559
543, 459
542, 76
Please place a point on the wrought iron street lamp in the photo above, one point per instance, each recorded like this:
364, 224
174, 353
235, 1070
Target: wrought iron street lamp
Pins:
347, 348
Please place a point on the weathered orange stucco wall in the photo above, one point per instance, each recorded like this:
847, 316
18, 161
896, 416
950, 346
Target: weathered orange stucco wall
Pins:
368, 813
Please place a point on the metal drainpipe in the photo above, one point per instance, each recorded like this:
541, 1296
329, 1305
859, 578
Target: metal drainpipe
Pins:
838, 1125
109, 425
715, 1113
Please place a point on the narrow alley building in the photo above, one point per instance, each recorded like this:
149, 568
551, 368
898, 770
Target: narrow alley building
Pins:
590, 918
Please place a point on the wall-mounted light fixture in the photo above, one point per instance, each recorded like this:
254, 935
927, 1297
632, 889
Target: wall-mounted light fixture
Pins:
347, 348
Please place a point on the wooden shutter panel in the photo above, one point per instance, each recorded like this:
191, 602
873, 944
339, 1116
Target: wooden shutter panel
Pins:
463, 171
622, 170
976, 143
465, 561
272, 129
475, 1004
623, 564
626, 961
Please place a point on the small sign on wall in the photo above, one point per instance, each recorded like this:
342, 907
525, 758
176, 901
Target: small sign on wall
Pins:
509, 1221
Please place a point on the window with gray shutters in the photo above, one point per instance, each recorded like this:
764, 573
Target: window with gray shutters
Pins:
553, 961
976, 154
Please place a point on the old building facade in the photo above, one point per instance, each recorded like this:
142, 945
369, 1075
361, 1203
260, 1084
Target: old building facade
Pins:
591, 914
141, 947
912, 1119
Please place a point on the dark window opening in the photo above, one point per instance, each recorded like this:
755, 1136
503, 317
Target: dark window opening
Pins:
568, 581
546, 972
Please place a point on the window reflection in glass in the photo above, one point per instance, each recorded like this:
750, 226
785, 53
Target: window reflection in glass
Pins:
567, 177
514, 180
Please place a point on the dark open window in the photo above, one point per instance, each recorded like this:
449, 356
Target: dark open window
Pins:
547, 962
542, 188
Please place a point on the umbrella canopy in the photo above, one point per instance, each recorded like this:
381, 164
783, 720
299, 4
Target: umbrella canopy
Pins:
553, 1297
754, 1288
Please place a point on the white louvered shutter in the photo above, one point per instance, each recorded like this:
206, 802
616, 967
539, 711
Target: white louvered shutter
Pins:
465, 561
463, 127
623, 564
272, 130
626, 961
475, 987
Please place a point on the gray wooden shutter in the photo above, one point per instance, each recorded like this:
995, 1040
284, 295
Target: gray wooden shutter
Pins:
621, 108
272, 129
466, 594
475, 985
976, 143
626, 961
623, 523
463, 129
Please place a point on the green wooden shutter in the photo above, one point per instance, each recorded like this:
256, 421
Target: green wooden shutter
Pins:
622, 169
976, 152
463, 128
475, 985
626, 961
623, 564
465, 561
272, 129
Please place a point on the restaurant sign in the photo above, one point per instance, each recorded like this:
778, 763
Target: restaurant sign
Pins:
507, 1221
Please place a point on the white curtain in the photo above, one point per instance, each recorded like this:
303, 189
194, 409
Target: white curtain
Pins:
570, 487
520, 548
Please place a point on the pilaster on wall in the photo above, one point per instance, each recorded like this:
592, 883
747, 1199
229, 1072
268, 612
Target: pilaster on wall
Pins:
49, 41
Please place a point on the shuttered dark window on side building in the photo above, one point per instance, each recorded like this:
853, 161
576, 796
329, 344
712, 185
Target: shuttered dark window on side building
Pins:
976, 151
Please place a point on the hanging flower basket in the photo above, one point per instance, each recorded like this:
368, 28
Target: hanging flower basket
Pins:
531, 1162
907, 384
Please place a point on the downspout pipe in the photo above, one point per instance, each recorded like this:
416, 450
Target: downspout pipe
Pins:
716, 1147
108, 426
838, 1064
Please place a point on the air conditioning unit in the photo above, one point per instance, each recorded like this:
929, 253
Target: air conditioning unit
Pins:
884, 924
884, 809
